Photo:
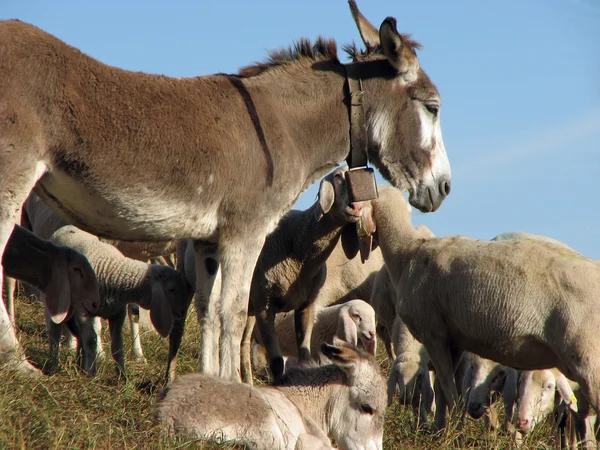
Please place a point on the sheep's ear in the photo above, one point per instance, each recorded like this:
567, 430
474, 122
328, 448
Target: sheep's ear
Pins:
347, 329
399, 53
160, 311
326, 198
350, 243
58, 292
566, 393
509, 394
368, 32
342, 355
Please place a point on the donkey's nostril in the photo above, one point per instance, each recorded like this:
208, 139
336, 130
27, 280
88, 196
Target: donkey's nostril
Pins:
445, 187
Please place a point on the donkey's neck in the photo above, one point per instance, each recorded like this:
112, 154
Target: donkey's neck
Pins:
314, 393
310, 102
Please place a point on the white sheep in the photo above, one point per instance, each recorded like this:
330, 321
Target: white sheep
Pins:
353, 322
484, 382
524, 303
344, 401
547, 392
122, 280
63, 274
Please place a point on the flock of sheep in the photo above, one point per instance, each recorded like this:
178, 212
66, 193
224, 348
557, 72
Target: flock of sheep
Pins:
300, 296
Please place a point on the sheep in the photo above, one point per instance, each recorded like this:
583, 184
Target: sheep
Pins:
63, 274
353, 322
544, 392
345, 401
123, 280
486, 377
484, 382
524, 303
38, 217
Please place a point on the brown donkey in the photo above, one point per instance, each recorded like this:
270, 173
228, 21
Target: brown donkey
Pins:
220, 158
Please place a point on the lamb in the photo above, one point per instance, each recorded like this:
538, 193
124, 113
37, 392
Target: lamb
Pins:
344, 401
63, 274
158, 288
353, 322
524, 303
483, 383
546, 392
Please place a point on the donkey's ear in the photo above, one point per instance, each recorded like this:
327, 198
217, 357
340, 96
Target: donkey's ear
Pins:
58, 292
326, 198
342, 355
398, 51
368, 32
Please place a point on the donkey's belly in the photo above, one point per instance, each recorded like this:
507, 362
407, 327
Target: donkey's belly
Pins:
140, 214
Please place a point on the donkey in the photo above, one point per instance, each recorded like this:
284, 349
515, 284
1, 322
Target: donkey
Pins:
132, 156
345, 401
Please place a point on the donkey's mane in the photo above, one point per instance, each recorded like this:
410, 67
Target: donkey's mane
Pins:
321, 50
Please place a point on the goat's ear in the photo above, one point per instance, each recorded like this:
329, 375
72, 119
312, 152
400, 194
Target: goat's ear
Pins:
326, 198
398, 52
350, 243
342, 355
566, 393
368, 32
160, 310
58, 292
347, 329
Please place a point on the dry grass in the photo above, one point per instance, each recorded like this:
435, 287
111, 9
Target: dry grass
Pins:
70, 411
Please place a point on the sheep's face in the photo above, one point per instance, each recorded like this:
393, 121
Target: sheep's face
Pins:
365, 325
334, 200
488, 377
536, 398
85, 291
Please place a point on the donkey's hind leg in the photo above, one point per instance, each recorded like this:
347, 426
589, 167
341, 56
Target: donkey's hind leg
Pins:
18, 176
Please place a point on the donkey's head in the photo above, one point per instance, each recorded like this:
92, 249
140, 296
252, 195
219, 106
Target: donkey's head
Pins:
403, 114
357, 415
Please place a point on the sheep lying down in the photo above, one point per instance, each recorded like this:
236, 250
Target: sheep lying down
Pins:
345, 401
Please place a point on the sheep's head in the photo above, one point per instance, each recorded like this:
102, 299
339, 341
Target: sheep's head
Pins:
487, 378
334, 200
362, 316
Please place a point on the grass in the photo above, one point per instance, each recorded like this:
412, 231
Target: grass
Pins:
70, 411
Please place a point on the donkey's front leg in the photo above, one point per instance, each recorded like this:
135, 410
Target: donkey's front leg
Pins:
238, 259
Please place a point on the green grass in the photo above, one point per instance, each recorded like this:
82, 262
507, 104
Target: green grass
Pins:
70, 411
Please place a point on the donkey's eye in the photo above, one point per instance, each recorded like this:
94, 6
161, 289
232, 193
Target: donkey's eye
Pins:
367, 409
433, 109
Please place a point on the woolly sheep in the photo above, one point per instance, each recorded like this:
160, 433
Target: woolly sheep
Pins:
547, 392
122, 280
344, 401
64, 274
524, 303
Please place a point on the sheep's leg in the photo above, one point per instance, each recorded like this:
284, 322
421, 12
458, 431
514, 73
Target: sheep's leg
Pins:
10, 285
384, 335
246, 350
207, 299
444, 360
133, 312
238, 259
265, 320
304, 318
98, 330
115, 326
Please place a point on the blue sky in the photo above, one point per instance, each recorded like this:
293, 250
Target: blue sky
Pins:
519, 80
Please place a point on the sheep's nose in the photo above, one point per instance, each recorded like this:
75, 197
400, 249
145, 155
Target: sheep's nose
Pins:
370, 335
523, 425
356, 207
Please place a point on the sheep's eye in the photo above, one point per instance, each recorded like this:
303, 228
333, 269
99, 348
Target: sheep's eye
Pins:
367, 409
356, 316
432, 108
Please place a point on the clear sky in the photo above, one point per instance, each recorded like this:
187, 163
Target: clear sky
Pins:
519, 80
